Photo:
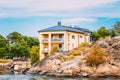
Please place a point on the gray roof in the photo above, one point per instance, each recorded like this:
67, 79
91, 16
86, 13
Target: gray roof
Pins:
60, 27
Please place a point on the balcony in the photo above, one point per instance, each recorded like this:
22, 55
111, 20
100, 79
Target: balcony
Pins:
57, 40
61, 50
45, 40
45, 50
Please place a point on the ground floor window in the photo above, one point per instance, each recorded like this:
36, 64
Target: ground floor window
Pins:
61, 47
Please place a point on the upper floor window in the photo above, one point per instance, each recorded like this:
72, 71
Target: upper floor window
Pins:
88, 39
73, 45
61, 36
53, 37
73, 37
80, 36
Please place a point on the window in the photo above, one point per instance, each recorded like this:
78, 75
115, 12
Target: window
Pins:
53, 37
73, 37
73, 45
68, 37
61, 47
61, 36
80, 36
88, 39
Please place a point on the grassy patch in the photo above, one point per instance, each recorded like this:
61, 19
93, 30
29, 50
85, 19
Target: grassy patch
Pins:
4, 61
96, 56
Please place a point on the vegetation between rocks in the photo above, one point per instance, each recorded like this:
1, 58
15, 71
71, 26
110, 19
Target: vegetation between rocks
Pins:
54, 49
96, 56
4, 61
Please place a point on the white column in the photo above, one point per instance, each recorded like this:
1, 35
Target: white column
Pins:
41, 48
65, 41
49, 42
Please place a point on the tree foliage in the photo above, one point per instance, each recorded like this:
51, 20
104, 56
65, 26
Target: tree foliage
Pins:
115, 31
100, 33
31, 41
20, 45
34, 54
3, 47
18, 50
14, 38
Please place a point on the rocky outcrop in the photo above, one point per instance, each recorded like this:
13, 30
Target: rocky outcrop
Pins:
49, 64
111, 47
102, 44
5, 66
106, 70
55, 64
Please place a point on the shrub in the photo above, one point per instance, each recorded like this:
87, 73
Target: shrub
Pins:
84, 44
78, 51
68, 58
83, 48
96, 56
54, 49
34, 54
100, 33
4, 61
75, 53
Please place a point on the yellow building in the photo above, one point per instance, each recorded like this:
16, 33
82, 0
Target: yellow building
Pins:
65, 37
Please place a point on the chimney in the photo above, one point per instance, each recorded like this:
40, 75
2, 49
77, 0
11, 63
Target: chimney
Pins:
59, 23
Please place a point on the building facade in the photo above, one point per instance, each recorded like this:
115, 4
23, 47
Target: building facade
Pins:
65, 37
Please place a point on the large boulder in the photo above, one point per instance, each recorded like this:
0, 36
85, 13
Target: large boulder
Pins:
86, 70
52, 65
117, 64
67, 73
69, 68
102, 43
106, 69
69, 65
36, 69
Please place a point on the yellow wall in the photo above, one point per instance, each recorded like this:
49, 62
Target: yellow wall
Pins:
45, 45
43, 36
69, 43
73, 43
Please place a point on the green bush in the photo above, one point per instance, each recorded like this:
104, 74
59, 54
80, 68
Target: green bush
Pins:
100, 33
34, 54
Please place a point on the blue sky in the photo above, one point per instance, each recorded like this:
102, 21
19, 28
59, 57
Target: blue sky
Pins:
29, 16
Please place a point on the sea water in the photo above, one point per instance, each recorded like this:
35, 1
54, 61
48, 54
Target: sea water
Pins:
38, 77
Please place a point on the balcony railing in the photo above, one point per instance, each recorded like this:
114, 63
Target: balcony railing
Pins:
45, 50
61, 50
57, 40
45, 40
53, 40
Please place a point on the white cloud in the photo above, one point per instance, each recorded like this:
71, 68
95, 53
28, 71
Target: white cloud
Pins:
13, 8
78, 20
52, 5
